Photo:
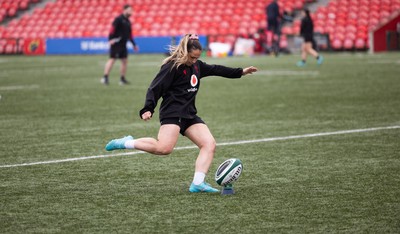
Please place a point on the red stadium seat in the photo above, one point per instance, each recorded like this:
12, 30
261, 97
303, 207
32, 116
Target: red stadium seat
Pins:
360, 44
348, 44
336, 44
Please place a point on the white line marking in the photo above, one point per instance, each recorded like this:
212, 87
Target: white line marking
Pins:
218, 144
18, 87
147, 64
383, 61
286, 73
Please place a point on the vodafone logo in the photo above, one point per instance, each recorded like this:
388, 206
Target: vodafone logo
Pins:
193, 80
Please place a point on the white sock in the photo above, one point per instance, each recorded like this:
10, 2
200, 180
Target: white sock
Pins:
130, 144
198, 178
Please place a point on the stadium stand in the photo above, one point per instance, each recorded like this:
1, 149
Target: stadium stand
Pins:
10, 8
346, 21
70, 18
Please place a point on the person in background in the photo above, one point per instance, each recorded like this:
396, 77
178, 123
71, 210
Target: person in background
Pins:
120, 34
307, 32
273, 16
177, 83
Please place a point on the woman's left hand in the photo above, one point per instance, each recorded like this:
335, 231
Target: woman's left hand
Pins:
249, 70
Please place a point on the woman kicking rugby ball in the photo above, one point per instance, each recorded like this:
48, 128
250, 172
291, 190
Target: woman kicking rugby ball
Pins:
178, 82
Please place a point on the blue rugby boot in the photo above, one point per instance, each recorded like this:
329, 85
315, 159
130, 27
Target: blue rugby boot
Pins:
203, 187
320, 60
118, 143
301, 63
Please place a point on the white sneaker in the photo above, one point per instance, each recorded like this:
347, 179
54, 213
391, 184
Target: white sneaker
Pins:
104, 80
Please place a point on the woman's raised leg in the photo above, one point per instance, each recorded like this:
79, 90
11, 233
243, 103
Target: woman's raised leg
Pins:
163, 145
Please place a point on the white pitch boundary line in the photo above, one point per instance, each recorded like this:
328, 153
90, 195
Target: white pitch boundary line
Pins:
286, 73
18, 87
218, 144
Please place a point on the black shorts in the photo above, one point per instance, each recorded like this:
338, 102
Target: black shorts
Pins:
308, 38
118, 52
184, 124
273, 25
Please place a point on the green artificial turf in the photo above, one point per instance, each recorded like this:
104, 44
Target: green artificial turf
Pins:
54, 108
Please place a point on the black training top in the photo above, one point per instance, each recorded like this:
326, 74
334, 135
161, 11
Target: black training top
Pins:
179, 86
272, 10
307, 26
121, 31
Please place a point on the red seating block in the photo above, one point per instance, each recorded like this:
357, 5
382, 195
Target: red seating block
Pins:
347, 21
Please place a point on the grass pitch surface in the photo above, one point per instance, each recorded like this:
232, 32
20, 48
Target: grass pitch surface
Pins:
54, 108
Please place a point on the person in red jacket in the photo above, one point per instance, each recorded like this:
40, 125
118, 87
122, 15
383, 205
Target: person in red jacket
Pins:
178, 82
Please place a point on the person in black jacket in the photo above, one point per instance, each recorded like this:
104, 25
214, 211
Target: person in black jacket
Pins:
177, 83
307, 32
120, 34
272, 12
273, 24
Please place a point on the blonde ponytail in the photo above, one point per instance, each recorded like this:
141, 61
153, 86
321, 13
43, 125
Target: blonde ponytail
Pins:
180, 54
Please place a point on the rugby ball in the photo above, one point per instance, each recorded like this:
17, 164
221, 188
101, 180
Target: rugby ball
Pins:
229, 171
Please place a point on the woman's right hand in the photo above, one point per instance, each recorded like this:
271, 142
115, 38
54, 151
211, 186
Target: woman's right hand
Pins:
146, 116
